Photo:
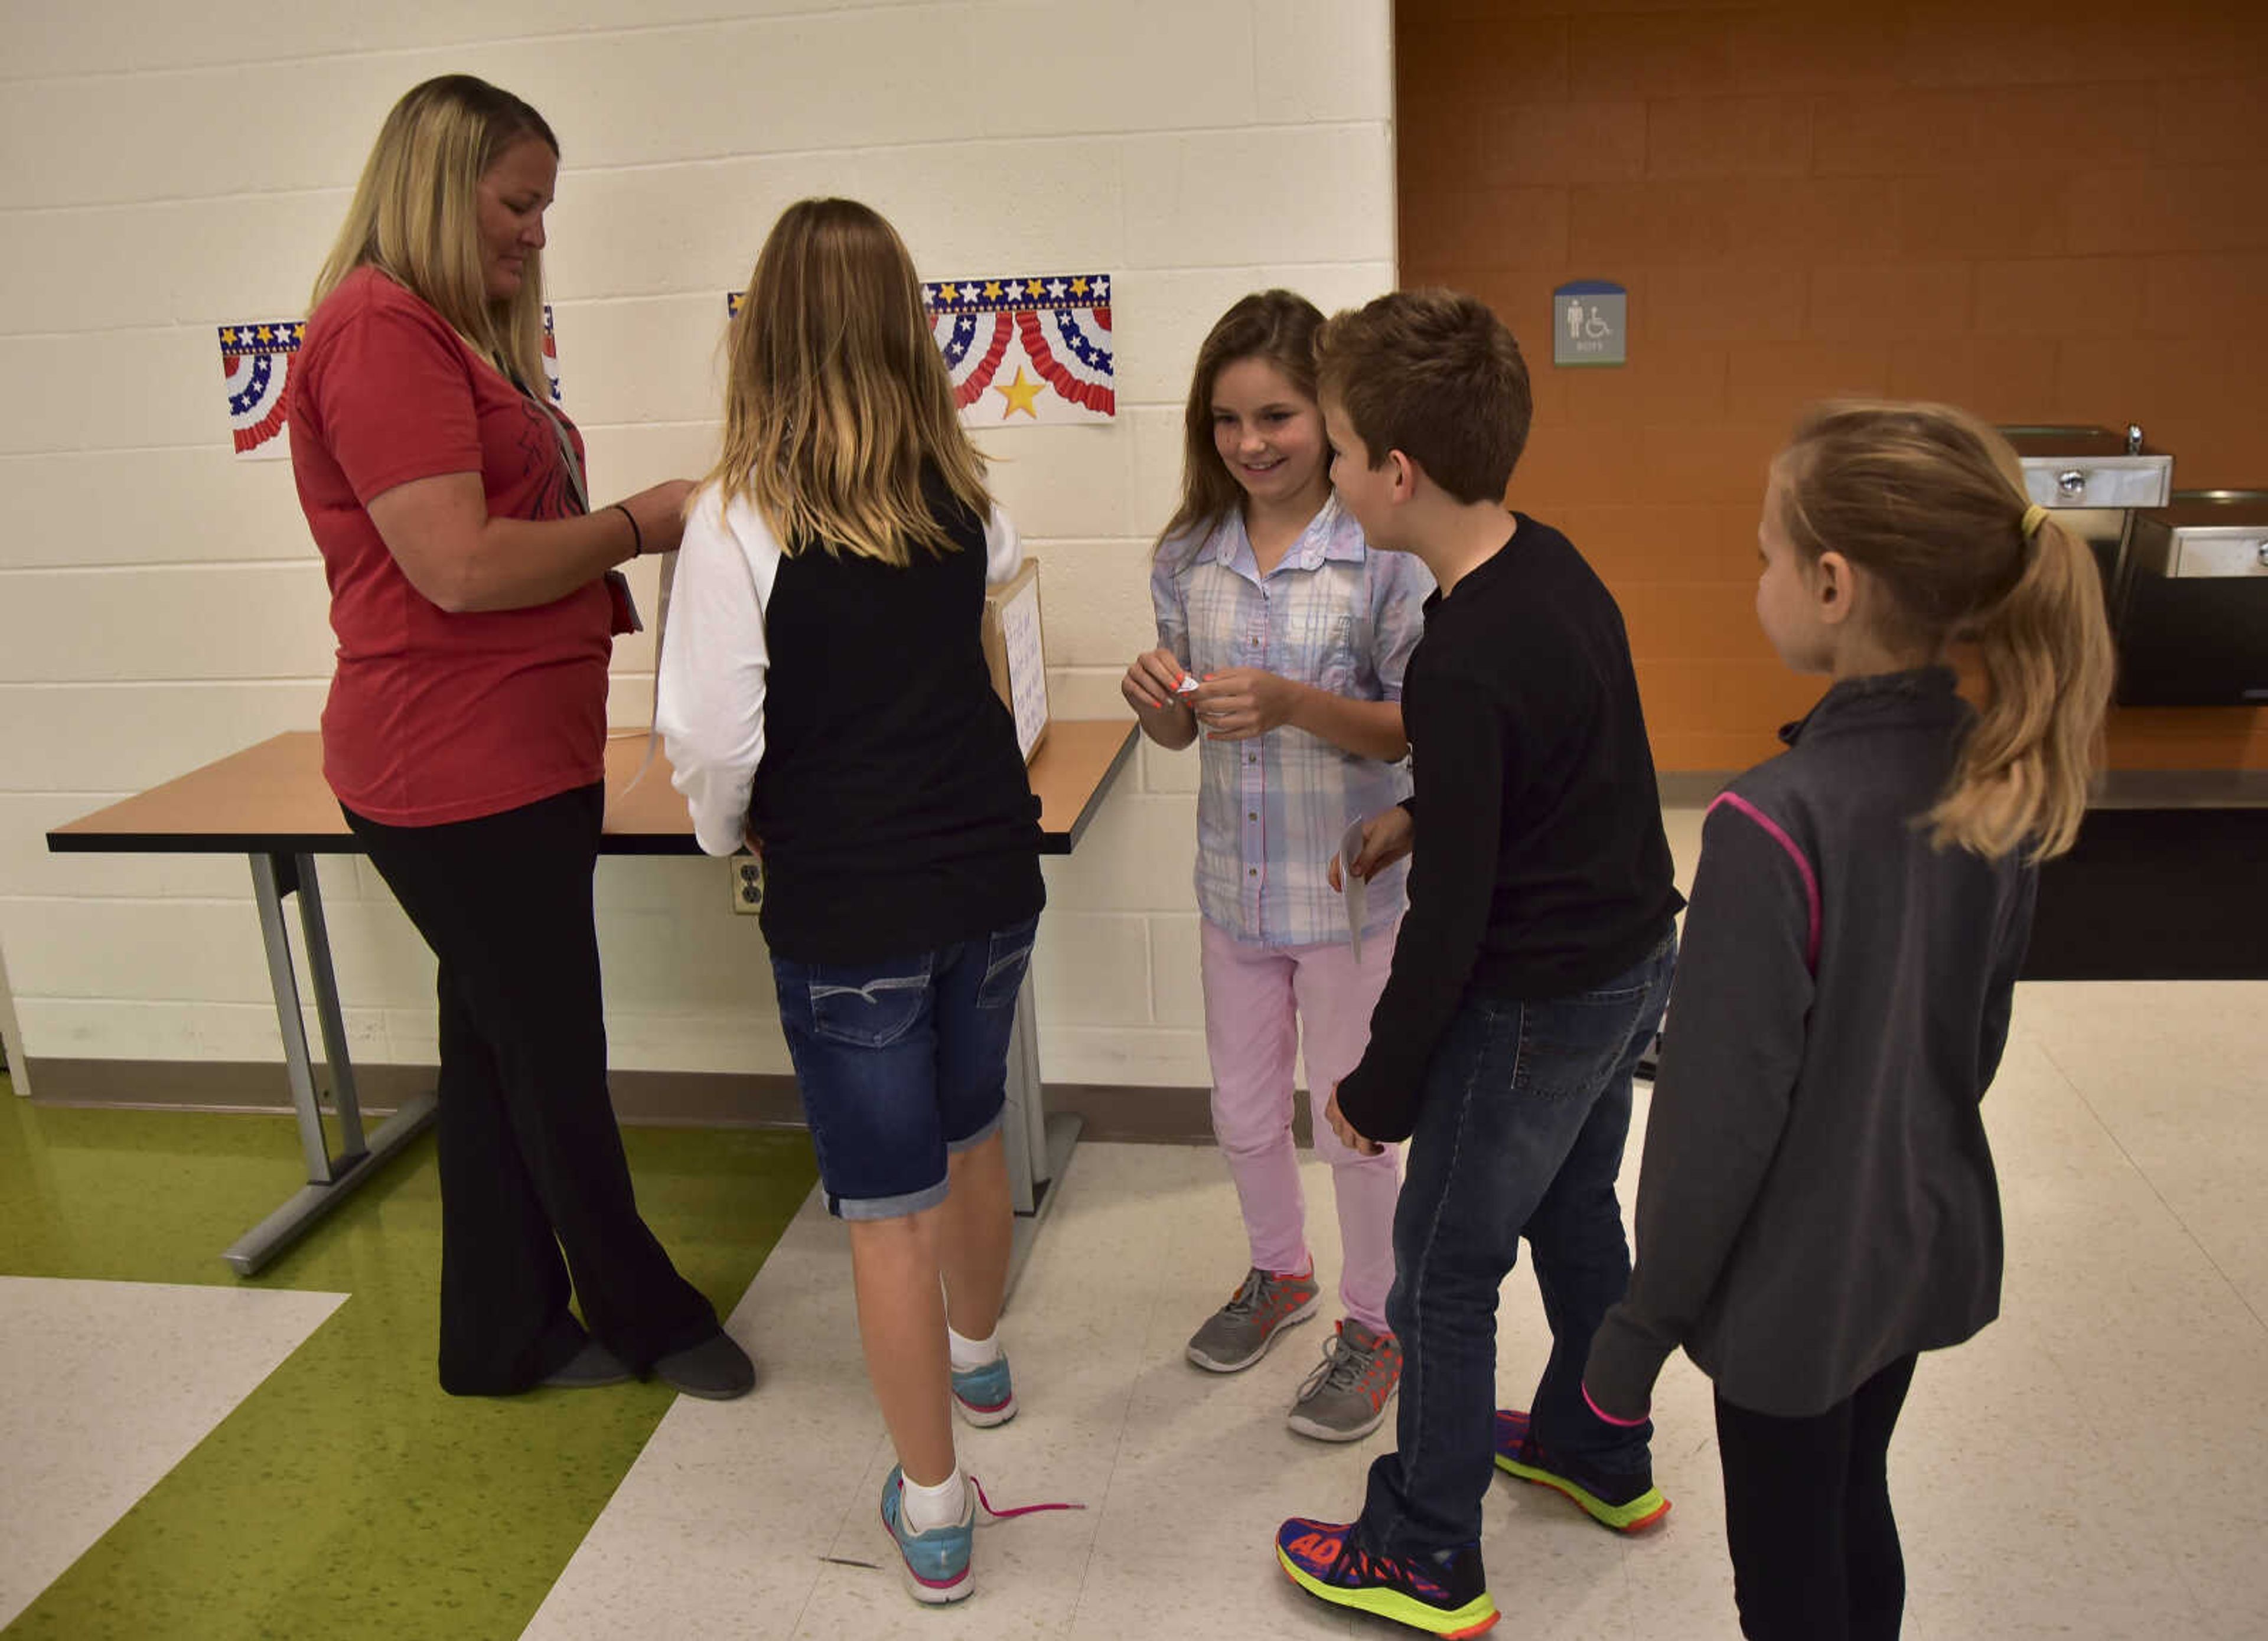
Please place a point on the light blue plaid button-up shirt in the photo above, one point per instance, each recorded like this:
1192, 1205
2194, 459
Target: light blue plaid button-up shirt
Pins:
1270, 811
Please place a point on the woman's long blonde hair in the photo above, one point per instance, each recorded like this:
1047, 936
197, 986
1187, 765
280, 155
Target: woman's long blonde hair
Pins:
1931, 501
415, 214
837, 397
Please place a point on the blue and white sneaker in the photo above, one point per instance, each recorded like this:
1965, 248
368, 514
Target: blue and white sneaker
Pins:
935, 1563
985, 1395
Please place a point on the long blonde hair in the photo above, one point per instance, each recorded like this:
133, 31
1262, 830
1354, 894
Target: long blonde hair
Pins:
1276, 327
1932, 501
415, 214
837, 397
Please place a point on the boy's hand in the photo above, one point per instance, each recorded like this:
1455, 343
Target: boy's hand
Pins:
1243, 702
1345, 1129
1386, 838
1149, 683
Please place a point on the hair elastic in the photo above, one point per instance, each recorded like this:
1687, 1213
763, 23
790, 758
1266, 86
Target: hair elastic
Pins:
2035, 516
638, 536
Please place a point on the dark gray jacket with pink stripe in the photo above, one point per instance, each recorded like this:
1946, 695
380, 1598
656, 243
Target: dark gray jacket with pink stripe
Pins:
1817, 1198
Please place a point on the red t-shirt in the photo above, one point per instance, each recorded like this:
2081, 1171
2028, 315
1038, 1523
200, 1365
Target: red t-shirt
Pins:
433, 717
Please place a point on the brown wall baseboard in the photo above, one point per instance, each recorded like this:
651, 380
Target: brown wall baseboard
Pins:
665, 1099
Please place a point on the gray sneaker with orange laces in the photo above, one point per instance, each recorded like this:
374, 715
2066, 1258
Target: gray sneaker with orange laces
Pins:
1344, 1399
1239, 1333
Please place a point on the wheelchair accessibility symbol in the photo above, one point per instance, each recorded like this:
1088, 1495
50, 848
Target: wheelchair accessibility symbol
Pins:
1590, 318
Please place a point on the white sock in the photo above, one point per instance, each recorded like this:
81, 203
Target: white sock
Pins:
928, 1508
967, 1353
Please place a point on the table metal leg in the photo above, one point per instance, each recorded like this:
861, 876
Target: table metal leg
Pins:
1039, 1146
345, 1104
274, 877
1025, 1115
328, 1179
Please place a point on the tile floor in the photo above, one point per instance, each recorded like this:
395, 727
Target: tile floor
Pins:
2082, 1469
2079, 1470
153, 1368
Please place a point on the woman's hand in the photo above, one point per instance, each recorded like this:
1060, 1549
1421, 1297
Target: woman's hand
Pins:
1243, 702
1386, 838
661, 515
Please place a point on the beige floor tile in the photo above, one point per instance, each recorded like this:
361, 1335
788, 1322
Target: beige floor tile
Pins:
2083, 1468
105, 1387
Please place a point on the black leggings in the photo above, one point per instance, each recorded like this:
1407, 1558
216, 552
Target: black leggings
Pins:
531, 1161
1807, 1516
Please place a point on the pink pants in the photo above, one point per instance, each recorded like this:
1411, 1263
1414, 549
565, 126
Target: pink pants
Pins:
1257, 1001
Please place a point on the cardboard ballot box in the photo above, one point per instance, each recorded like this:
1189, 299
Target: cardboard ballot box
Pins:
1011, 650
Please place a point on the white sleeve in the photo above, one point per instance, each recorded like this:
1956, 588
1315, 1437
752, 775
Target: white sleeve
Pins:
1004, 549
708, 691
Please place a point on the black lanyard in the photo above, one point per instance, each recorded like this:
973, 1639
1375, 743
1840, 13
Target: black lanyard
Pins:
558, 431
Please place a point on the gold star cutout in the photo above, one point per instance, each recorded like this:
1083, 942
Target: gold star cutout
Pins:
950, 293
1079, 286
265, 335
1020, 394
1031, 288
992, 288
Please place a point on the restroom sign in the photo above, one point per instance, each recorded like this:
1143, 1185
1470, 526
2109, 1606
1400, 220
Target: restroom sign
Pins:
1590, 323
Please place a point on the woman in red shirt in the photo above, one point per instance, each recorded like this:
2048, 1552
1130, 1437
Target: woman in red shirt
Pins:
474, 597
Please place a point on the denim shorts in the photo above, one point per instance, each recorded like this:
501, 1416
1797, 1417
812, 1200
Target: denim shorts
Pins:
900, 1063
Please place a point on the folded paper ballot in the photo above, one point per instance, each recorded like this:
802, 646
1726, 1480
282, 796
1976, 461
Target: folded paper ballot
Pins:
1356, 891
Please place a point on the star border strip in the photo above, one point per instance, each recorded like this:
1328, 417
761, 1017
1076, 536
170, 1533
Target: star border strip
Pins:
270, 337
1028, 293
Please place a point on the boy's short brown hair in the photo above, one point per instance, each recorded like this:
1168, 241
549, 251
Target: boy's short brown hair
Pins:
1437, 376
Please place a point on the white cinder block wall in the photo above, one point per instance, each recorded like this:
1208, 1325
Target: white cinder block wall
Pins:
165, 169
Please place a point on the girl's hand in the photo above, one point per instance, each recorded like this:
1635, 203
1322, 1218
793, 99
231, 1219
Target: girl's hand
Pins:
1386, 838
1149, 683
1243, 702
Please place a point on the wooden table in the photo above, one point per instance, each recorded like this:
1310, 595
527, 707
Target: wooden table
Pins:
270, 804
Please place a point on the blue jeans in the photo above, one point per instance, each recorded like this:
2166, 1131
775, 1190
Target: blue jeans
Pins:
1520, 1133
901, 1062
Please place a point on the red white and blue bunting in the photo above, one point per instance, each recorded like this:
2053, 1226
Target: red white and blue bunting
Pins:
255, 362
1037, 348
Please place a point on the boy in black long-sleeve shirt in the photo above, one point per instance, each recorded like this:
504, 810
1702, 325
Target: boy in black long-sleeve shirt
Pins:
1530, 973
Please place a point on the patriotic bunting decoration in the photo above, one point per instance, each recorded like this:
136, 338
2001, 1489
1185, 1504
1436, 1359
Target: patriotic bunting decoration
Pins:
256, 361
1032, 349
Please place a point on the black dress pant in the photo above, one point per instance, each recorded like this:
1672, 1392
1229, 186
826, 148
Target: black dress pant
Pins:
531, 1162
1808, 1515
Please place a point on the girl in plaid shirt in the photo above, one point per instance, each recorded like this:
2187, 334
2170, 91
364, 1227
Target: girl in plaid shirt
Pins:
1281, 643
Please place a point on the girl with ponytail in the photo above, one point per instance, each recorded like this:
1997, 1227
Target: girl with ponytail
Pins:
1817, 1203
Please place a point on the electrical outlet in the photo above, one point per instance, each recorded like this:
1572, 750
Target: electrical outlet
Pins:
747, 882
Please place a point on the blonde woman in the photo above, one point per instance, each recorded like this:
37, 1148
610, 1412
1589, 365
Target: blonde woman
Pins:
823, 695
474, 597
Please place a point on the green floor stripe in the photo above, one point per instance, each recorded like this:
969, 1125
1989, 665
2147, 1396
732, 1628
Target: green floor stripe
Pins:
348, 1497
